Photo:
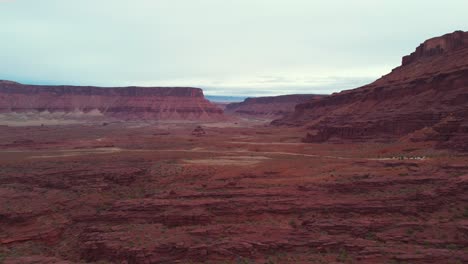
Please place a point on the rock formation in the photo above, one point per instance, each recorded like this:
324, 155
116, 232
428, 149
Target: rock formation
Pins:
437, 46
198, 131
272, 106
180, 103
426, 96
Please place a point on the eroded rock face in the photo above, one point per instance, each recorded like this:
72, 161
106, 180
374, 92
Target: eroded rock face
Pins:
430, 86
181, 103
438, 46
274, 106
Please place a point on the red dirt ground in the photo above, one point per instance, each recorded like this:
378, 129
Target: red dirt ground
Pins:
129, 193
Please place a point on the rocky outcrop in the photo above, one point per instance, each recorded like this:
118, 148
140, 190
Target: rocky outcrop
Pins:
429, 87
198, 131
273, 106
181, 103
437, 46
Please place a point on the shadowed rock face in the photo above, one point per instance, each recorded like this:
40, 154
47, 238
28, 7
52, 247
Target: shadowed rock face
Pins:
424, 99
270, 106
180, 103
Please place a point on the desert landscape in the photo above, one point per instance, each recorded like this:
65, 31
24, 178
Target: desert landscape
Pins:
376, 174
240, 194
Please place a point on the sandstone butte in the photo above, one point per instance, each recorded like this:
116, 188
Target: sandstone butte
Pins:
270, 106
426, 98
159, 103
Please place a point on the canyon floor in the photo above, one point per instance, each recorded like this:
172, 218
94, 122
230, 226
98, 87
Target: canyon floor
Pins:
243, 193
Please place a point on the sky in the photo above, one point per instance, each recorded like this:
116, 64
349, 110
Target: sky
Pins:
238, 47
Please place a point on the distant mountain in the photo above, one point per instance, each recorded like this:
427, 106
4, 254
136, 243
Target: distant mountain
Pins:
225, 99
271, 106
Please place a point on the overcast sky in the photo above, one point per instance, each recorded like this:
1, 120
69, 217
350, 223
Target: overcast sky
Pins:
227, 47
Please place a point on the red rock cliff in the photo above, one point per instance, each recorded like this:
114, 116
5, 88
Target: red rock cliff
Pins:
180, 103
437, 46
427, 95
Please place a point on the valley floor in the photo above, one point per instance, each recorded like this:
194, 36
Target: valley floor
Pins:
242, 193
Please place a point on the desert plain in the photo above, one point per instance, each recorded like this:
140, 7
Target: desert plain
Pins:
242, 192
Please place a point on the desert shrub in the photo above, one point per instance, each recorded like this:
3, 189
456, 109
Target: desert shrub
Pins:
293, 223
